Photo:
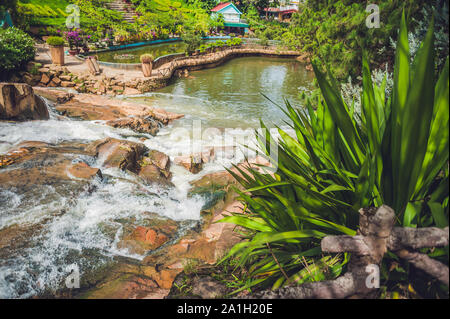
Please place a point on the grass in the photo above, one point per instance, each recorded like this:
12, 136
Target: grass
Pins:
57, 20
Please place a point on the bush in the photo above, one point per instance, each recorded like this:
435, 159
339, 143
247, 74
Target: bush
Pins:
203, 48
146, 58
236, 41
192, 41
55, 41
16, 49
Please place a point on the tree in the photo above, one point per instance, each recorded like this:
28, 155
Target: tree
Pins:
260, 5
9, 5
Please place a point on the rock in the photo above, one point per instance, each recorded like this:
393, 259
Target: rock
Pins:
67, 84
208, 288
216, 180
56, 81
65, 78
100, 87
208, 155
118, 153
45, 79
54, 95
155, 168
43, 70
131, 91
129, 284
157, 158
141, 125
117, 88
30, 79
127, 108
84, 171
152, 174
193, 163
141, 239
19, 103
51, 84
150, 236
38, 163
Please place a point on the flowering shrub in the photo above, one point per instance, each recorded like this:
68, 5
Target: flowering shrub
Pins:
73, 38
16, 49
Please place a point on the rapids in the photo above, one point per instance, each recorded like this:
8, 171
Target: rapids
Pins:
72, 222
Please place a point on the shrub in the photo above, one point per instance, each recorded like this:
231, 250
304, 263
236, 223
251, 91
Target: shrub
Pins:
16, 49
263, 41
55, 41
192, 41
203, 48
395, 153
236, 41
146, 58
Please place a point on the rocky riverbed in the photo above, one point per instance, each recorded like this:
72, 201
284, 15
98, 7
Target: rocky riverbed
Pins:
80, 190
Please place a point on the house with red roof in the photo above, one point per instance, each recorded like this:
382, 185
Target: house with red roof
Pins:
232, 18
284, 11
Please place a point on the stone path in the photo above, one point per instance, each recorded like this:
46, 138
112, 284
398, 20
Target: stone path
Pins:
135, 80
120, 6
78, 67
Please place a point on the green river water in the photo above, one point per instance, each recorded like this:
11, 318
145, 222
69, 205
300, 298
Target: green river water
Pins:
231, 95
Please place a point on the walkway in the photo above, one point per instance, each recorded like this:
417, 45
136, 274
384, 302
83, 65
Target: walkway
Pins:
121, 7
164, 72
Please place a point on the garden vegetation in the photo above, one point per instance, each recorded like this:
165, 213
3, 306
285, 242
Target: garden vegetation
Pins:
16, 49
336, 162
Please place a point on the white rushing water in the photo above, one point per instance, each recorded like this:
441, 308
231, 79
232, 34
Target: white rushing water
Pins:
60, 224
74, 223
64, 224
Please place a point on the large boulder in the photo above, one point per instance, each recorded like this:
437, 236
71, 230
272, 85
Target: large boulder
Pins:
140, 125
144, 238
118, 153
151, 166
19, 103
37, 163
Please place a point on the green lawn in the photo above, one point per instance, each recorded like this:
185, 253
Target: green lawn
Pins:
55, 17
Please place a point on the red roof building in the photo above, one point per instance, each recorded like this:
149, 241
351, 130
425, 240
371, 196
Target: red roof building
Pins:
220, 6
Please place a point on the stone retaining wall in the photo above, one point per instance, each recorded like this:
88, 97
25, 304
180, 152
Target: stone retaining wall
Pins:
175, 66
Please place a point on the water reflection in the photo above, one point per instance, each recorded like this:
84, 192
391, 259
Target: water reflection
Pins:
230, 95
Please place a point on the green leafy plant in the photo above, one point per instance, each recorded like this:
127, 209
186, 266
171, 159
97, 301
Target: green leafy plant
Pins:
146, 58
55, 41
192, 41
336, 162
16, 49
236, 41
203, 48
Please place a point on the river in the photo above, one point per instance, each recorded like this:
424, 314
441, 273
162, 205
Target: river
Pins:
66, 223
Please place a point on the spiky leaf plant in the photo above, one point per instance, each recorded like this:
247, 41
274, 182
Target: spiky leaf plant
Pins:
395, 153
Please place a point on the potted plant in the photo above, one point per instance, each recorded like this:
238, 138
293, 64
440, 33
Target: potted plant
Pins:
147, 64
56, 49
74, 39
